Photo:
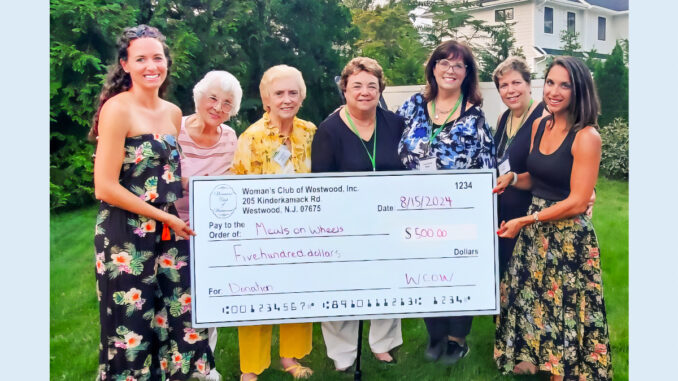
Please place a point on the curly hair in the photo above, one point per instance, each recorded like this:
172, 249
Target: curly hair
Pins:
117, 81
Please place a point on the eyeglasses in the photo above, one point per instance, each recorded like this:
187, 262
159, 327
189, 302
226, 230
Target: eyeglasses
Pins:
225, 105
446, 65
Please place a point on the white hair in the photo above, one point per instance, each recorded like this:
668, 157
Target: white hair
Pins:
223, 80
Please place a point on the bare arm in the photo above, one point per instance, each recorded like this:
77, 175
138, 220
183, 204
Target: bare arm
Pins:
113, 129
586, 151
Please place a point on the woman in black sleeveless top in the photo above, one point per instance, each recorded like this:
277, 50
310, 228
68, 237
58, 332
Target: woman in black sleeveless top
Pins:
512, 78
552, 316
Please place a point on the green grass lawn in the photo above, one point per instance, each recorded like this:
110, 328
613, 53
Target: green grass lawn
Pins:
74, 320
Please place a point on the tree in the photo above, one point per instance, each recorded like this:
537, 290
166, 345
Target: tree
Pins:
245, 37
570, 43
82, 41
502, 44
592, 61
450, 21
570, 46
612, 82
388, 36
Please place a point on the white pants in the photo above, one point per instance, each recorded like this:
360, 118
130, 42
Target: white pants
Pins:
212, 338
341, 339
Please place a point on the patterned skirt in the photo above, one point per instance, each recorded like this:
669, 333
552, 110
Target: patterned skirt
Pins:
552, 308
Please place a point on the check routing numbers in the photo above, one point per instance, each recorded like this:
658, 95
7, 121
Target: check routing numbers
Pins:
276, 249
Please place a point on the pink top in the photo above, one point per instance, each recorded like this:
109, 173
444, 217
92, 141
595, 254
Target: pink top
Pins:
204, 161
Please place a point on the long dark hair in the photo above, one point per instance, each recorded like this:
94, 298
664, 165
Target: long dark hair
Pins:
584, 103
469, 86
117, 81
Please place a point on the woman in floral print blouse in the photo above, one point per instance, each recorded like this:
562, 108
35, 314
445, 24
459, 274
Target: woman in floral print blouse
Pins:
279, 142
446, 129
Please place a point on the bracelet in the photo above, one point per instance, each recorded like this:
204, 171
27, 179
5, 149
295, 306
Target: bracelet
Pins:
535, 215
515, 178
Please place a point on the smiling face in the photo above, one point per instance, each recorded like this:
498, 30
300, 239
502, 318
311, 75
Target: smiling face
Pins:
450, 73
214, 106
362, 92
284, 98
514, 91
146, 63
557, 89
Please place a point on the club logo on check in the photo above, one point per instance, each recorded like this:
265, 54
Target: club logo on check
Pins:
223, 201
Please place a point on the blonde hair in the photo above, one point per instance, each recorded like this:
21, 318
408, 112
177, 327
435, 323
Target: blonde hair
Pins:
275, 73
359, 64
512, 63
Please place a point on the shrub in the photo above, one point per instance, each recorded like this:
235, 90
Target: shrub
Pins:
612, 82
71, 181
614, 163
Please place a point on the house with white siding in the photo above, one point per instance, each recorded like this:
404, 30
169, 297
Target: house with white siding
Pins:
538, 24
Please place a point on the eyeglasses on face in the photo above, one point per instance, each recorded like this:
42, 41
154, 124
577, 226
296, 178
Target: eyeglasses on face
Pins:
225, 105
446, 65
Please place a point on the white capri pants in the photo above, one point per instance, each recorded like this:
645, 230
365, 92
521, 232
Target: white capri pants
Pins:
341, 339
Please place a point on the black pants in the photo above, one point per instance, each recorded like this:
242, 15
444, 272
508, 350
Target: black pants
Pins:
439, 328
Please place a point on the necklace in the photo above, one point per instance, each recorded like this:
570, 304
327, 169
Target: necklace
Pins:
436, 113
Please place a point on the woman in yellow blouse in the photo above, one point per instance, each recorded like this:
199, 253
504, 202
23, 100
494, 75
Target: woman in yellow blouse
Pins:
279, 142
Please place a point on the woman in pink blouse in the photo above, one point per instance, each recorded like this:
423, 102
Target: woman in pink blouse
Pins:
207, 143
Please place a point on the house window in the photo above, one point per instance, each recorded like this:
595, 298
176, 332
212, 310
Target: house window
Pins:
570, 22
601, 28
548, 20
503, 14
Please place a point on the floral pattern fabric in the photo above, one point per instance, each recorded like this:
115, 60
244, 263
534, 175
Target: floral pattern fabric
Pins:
465, 143
552, 308
143, 281
261, 140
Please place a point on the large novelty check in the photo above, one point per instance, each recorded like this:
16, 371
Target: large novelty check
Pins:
317, 247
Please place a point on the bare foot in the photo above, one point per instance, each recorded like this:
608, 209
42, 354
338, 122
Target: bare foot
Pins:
248, 377
556, 378
525, 367
385, 357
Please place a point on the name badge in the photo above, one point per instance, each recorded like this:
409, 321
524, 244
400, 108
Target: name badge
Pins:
428, 164
282, 155
504, 166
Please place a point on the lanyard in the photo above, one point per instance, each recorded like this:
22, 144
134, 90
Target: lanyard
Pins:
374, 147
510, 121
437, 131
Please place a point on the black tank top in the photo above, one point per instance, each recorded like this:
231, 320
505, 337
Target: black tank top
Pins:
551, 173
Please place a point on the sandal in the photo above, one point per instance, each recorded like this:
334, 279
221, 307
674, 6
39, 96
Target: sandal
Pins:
299, 372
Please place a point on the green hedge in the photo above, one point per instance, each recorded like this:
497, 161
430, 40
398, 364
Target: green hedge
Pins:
614, 163
71, 181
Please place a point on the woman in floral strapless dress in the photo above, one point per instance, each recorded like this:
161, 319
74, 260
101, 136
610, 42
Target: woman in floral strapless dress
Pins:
143, 282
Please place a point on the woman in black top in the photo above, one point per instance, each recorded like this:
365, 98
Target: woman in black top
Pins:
512, 78
359, 137
552, 315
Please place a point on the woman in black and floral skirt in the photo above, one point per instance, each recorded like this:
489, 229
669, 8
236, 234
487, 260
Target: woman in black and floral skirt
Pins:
552, 310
